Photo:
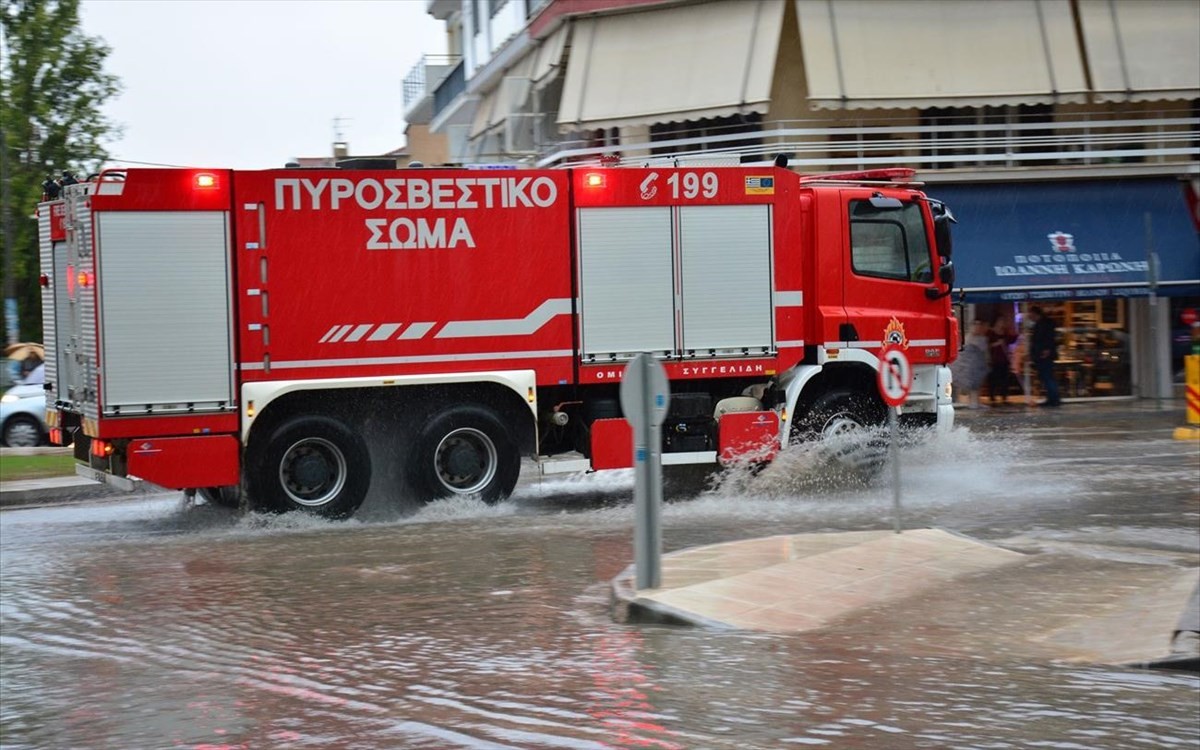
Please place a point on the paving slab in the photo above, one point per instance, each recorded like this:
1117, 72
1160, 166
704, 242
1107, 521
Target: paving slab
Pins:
801, 582
936, 591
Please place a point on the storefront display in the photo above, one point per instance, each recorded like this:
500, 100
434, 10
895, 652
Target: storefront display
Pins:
1094, 354
1115, 263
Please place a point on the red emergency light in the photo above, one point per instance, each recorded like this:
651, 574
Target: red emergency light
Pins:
205, 181
594, 179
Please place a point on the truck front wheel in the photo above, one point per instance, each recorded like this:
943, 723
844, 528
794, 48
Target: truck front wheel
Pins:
465, 450
312, 464
846, 423
225, 496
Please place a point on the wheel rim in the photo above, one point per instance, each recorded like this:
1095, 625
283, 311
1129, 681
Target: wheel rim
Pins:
22, 434
842, 424
848, 440
465, 461
312, 472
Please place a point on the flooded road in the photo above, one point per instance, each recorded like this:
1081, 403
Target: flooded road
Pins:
153, 624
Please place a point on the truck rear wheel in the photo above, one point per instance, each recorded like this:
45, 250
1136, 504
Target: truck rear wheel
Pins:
465, 450
313, 464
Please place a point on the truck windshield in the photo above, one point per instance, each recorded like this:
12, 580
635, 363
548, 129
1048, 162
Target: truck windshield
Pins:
889, 243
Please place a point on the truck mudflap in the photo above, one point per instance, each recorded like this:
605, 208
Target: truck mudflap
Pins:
172, 462
742, 437
180, 462
748, 437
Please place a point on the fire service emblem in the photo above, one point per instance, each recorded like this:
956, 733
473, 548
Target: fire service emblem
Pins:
894, 335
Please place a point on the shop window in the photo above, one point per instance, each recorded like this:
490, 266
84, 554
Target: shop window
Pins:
1185, 335
1111, 313
1093, 348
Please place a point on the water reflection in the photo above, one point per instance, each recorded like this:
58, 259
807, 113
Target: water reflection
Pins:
155, 624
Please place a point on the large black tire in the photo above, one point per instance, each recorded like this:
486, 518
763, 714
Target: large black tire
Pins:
226, 496
847, 424
23, 431
464, 450
317, 465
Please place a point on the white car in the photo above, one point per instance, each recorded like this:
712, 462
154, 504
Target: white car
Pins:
23, 412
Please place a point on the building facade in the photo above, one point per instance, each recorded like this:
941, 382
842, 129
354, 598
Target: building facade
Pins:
1064, 134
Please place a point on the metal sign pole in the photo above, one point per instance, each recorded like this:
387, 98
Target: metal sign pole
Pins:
644, 397
894, 421
649, 558
895, 383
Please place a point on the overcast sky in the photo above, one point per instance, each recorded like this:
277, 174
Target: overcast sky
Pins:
250, 84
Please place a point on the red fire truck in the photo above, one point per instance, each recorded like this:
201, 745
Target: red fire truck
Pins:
292, 336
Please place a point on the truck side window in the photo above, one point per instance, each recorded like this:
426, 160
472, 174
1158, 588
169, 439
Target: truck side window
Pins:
889, 243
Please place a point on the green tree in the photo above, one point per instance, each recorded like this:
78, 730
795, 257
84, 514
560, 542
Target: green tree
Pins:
52, 89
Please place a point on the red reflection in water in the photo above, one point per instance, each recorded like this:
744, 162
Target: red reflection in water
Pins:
624, 705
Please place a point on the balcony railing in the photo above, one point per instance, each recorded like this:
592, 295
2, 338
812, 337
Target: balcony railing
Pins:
1166, 137
429, 71
452, 86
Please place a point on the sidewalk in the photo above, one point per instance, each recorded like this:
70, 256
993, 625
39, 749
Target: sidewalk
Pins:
23, 493
972, 597
952, 594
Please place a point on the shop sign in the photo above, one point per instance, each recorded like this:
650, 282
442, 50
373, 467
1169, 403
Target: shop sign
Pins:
1065, 261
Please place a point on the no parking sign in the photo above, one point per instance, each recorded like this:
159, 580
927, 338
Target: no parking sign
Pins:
895, 375
895, 382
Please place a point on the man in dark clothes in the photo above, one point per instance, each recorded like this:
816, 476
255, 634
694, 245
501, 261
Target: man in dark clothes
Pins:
1045, 351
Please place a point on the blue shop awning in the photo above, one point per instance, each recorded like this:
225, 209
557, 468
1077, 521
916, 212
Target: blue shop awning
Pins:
1072, 239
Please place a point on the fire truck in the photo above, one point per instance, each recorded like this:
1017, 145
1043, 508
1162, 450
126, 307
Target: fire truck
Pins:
289, 339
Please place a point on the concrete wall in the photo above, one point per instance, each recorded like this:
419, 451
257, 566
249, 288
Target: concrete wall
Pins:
423, 146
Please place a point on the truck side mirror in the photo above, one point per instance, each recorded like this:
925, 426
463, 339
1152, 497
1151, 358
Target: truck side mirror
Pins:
942, 219
946, 276
941, 236
946, 272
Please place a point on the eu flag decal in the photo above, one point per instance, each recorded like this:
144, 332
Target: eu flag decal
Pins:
760, 185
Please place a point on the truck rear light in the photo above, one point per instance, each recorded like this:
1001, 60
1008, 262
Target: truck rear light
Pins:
56, 436
593, 180
102, 448
84, 279
206, 181
44, 281
71, 281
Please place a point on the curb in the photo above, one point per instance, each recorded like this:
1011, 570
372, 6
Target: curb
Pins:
36, 493
626, 607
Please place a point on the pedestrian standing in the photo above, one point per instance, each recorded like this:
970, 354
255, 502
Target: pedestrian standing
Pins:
971, 367
1000, 340
1044, 346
